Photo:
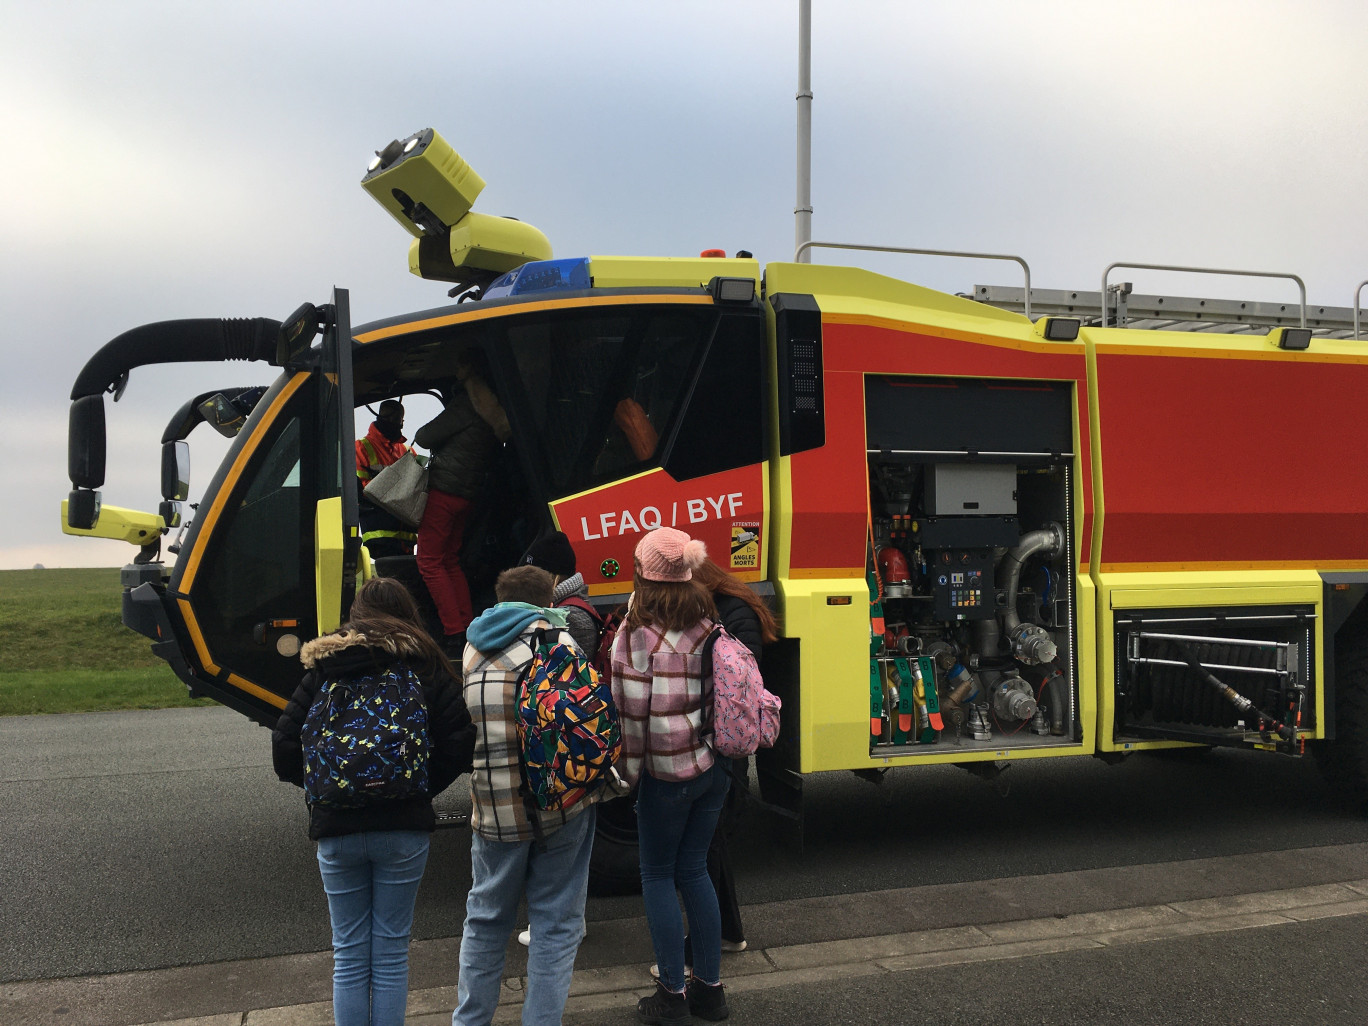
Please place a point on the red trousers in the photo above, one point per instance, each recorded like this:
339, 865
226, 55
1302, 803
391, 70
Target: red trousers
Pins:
439, 546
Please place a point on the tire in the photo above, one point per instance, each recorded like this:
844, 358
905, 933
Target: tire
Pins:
614, 864
1344, 761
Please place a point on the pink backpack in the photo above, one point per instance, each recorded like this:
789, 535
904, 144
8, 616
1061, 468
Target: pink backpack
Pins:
744, 715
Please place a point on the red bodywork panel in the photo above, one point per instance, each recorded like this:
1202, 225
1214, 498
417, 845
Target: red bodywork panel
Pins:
1231, 461
605, 525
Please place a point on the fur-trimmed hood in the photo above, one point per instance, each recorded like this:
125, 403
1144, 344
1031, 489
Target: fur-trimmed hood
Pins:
352, 642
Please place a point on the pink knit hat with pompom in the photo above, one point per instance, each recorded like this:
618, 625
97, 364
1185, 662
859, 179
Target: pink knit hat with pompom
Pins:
669, 555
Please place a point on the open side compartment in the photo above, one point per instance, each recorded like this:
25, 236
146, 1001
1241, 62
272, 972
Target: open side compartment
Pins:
971, 559
1238, 677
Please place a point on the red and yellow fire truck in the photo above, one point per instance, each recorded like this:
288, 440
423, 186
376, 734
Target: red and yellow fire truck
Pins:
988, 537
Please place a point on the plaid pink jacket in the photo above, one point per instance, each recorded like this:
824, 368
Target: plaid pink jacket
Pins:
659, 695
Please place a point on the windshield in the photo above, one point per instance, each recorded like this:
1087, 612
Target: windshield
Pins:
600, 392
600, 389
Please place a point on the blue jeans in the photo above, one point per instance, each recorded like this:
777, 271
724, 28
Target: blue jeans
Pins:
372, 882
675, 824
556, 882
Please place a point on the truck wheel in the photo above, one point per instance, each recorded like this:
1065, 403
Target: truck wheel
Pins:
614, 864
1344, 761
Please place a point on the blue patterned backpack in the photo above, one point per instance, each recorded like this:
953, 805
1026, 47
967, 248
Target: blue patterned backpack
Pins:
365, 740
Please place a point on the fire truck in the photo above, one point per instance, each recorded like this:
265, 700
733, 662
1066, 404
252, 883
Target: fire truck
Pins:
1002, 526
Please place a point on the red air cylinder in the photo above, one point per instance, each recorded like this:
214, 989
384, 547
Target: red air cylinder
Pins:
893, 567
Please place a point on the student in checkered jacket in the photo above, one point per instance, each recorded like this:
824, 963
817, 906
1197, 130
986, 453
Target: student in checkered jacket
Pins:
506, 861
682, 784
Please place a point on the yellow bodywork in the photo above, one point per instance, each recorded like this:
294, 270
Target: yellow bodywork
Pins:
329, 554
129, 525
434, 175
609, 272
487, 243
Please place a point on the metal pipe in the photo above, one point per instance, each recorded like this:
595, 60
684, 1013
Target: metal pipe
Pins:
1244, 642
1357, 293
1049, 540
1269, 671
802, 212
987, 638
1301, 285
1030, 644
804, 247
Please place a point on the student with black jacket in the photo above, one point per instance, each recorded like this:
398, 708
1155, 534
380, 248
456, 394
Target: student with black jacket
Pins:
749, 621
371, 856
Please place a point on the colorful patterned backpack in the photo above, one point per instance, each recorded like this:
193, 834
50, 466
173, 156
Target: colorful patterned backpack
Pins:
568, 732
365, 740
745, 717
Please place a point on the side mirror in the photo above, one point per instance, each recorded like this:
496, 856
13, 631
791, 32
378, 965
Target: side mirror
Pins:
171, 512
175, 471
296, 335
83, 509
220, 414
86, 442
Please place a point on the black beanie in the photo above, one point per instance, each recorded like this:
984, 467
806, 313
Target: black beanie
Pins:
553, 554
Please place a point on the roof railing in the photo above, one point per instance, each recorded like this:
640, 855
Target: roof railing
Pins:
1106, 274
1142, 312
1205, 270
1025, 268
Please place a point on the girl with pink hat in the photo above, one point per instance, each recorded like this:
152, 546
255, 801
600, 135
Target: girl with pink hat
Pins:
682, 783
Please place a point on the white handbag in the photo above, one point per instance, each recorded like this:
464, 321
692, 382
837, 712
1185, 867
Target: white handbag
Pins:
401, 489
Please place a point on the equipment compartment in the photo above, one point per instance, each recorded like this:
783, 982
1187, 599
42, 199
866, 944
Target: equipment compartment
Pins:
1217, 676
972, 640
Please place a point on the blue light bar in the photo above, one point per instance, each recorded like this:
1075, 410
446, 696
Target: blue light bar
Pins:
541, 276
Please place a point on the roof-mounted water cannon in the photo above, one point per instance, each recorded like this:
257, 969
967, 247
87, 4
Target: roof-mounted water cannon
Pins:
429, 189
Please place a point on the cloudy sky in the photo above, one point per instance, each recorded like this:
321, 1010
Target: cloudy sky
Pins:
179, 160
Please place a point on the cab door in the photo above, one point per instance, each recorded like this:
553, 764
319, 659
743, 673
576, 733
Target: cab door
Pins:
271, 558
337, 532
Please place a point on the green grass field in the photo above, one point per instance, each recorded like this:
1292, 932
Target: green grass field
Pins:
65, 649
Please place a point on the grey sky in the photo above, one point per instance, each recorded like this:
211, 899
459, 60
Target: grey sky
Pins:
172, 160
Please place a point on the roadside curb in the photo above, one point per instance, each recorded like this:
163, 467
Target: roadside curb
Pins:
617, 987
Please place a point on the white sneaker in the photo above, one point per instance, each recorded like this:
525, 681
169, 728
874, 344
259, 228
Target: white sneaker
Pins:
688, 972
525, 937
728, 948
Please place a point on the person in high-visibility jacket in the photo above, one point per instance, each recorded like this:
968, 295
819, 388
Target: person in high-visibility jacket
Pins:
382, 532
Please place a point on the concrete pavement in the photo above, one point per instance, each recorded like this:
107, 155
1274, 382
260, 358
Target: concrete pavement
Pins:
832, 939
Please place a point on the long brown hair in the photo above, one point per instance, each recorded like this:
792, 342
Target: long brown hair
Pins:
668, 605
384, 608
719, 582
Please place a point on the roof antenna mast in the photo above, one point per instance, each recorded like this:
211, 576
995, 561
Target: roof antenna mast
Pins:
802, 212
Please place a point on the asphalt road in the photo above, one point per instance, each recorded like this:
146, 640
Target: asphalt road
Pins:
1300, 975
153, 839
